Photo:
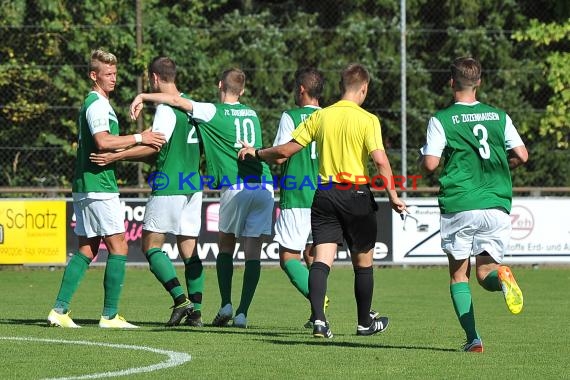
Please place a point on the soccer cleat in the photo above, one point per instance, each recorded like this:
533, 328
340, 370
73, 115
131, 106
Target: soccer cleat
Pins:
379, 324
240, 321
322, 330
194, 319
374, 314
511, 291
476, 345
327, 300
224, 315
56, 319
116, 323
309, 323
179, 312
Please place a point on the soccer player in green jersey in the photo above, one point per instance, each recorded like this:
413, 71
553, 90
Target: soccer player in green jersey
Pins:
246, 200
98, 212
177, 207
342, 209
298, 184
479, 144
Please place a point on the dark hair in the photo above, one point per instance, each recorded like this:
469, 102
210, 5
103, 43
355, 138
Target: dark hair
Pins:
164, 67
465, 72
311, 79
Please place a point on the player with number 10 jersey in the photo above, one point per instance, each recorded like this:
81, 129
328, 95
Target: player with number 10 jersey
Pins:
222, 126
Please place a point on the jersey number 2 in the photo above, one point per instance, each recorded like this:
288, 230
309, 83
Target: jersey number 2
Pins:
484, 150
192, 136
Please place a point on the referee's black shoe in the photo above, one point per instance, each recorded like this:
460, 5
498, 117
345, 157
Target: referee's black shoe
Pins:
378, 324
321, 329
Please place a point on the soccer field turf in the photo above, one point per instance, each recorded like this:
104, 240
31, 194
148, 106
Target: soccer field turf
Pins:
422, 341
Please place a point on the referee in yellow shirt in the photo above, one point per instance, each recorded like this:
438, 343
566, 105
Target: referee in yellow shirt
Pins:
343, 207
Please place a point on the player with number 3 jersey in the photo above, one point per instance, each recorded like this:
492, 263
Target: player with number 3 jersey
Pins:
479, 144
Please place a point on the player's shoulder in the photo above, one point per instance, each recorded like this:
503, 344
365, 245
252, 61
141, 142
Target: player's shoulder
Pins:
491, 108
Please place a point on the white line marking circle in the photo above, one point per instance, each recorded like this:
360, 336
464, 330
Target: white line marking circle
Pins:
174, 358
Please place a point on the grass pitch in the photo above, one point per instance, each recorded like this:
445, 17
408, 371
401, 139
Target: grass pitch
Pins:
422, 342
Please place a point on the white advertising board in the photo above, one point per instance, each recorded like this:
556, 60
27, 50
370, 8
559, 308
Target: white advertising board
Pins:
541, 232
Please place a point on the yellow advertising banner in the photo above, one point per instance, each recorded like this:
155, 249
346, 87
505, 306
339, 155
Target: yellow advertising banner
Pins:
32, 232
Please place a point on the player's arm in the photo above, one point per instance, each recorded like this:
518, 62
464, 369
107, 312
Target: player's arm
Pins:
272, 154
174, 100
286, 127
516, 150
430, 153
97, 116
136, 153
104, 141
517, 156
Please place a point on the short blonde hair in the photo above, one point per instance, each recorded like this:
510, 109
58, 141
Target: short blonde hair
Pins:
100, 56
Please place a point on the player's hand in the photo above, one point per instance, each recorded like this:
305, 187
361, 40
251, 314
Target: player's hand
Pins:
245, 150
153, 139
103, 159
136, 107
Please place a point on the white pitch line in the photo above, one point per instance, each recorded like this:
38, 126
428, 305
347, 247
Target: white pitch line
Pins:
174, 358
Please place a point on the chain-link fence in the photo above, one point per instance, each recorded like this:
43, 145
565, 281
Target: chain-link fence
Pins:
45, 48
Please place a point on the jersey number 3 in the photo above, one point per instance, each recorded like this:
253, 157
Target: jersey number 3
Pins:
481, 133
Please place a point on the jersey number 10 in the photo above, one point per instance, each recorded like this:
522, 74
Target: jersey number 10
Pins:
245, 131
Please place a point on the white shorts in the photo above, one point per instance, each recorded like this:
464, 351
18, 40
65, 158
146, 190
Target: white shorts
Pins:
174, 214
98, 217
293, 228
473, 232
245, 212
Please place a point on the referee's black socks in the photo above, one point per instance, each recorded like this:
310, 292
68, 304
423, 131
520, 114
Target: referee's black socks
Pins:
318, 277
363, 290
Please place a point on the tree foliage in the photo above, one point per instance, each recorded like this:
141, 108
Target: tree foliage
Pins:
46, 45
554, 123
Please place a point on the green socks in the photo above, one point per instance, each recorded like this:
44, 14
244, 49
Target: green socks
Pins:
250, 279
194, 273
491, 282
225, 272
163, 270
70, 281
463, 305
298, 275
113, 284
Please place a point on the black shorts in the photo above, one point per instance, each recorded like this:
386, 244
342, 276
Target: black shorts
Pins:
348, 214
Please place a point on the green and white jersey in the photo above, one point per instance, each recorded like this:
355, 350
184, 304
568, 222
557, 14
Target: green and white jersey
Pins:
300, 171
473, 139
222, 126
91, 180
179, 157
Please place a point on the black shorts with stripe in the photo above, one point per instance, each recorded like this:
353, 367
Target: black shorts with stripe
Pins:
344, 211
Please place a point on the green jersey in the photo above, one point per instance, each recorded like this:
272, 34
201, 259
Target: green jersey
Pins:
222, 126
299, 172
179, 157
476, 172
96, 115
